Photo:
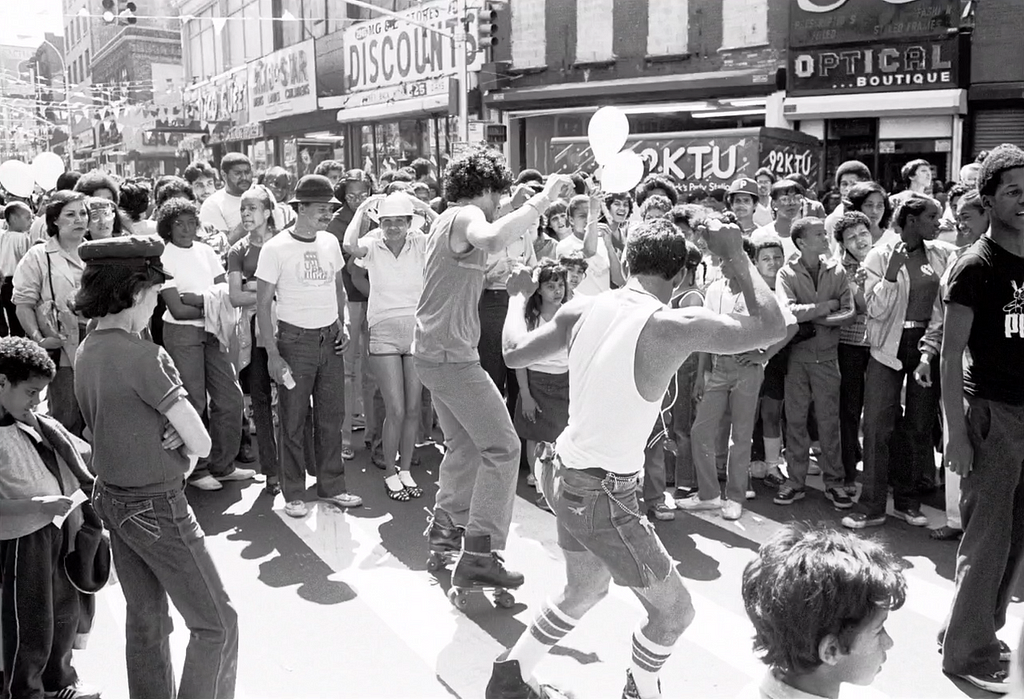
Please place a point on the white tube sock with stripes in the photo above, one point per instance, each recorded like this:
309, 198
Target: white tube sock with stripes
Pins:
550, 627
648, 659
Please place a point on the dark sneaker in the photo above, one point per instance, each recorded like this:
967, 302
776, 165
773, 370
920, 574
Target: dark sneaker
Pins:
787, 495
859, 520
79, 690
997, 682
839, 498
912, 515
1005, 654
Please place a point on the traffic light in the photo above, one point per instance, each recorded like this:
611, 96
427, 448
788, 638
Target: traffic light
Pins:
109, 11
486, 23
129, 13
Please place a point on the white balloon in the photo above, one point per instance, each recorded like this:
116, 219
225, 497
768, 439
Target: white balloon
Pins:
607, 133
622, 172
46, 168
16, 177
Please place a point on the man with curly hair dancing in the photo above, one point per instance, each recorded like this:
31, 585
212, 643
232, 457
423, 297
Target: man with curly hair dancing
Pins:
478, 473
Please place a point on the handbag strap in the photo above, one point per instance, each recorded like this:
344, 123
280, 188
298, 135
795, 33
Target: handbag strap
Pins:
49, 276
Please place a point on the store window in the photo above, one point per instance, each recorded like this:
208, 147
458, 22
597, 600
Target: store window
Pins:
391, 145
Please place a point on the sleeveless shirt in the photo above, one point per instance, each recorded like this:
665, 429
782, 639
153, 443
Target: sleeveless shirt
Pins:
609, 421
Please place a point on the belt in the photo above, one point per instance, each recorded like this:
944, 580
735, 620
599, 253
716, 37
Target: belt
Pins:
496, 291
911, 324
602, 474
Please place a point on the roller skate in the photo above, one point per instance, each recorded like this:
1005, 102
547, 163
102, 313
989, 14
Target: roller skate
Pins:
507, 683
444, 539
481, 569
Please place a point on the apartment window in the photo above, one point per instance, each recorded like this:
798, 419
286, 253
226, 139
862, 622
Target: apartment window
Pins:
744, 23
85, 56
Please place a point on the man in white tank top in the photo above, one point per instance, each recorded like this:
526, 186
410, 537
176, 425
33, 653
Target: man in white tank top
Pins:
624, 349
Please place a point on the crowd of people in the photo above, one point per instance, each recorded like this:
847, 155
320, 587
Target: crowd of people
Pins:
634, 354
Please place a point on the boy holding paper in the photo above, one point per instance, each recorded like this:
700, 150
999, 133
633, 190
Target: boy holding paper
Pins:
40, 477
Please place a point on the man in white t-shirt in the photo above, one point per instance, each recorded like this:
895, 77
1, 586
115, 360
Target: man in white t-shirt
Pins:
302, 268
222, 209
603, 266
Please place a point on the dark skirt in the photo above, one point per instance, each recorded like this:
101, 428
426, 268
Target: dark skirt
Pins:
551, 392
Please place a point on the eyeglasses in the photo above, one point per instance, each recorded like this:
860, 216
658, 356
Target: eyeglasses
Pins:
103, 212
356, 196
789, 198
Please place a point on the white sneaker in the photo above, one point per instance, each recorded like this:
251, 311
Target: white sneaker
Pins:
296, 508
344, 500
732, 510
239, 474
205, 483
695, 504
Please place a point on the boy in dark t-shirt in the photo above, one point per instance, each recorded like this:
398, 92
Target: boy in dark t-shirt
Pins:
985, 315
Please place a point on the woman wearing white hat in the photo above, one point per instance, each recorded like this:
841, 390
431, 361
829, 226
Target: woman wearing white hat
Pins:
394, 255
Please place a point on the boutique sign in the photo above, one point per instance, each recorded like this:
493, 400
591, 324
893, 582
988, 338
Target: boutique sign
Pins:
884, 67
389, 52
832, 22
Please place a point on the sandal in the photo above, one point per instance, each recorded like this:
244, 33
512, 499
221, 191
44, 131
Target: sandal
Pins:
946, 533
402, 495
414, 490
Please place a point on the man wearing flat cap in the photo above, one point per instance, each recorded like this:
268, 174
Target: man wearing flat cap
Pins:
300, 269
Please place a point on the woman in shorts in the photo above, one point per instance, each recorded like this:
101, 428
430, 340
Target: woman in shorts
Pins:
394, 255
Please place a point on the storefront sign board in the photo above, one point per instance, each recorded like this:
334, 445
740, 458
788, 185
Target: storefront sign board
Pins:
706, 159
222, 98
834, 22
388, 52
428, 87
283, 83
876, 67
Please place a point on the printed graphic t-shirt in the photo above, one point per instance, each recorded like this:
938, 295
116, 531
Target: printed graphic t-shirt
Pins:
990, 281
304, 273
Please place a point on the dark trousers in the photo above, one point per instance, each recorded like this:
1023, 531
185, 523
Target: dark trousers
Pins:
319, 375
897, 444
40, 615
255, 378
990, 553
159, 552
493, 308
853, 366
9, 323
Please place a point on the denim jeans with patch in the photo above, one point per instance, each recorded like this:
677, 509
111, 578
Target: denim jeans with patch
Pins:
159, 552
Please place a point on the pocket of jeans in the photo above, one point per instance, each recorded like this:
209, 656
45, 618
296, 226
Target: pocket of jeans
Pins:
574, 507
137, 522
289, 335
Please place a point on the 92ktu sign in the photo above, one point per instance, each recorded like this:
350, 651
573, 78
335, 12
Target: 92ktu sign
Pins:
832, 22
879, 67
388, 51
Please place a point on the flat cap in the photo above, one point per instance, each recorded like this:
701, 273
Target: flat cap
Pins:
127, 251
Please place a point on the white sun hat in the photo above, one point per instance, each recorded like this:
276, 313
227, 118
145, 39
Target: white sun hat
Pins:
399, 204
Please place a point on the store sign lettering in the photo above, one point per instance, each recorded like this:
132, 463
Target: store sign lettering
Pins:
283, 83
387, 52
834, 22
220, 99
784, 162
816, 7
913, 66
704, 160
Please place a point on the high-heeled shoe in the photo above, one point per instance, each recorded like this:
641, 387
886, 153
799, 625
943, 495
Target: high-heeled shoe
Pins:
402, 495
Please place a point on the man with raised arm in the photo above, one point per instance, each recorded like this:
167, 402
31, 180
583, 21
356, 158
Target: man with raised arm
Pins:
624, 349
477, 482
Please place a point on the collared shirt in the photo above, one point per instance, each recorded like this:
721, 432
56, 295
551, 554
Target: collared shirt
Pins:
801, 291
41, 265
396, 281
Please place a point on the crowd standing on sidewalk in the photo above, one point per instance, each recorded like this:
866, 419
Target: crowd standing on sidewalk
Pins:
629, 354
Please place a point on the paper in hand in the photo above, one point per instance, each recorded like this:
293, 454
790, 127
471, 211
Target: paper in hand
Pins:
77, 498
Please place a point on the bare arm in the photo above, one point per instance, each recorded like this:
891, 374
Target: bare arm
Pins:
492, 237
355, 231
177, 307
189, 426
956, 330
264, 302
592, 236
240, 297
523, 347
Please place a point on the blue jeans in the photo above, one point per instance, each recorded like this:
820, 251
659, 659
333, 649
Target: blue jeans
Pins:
159, 552
206, 370
319, 375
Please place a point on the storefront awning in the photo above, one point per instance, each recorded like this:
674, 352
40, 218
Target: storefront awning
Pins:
393, 110
721, 83
924, 103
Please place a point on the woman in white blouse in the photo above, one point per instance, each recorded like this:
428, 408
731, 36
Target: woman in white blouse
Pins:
394, 256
